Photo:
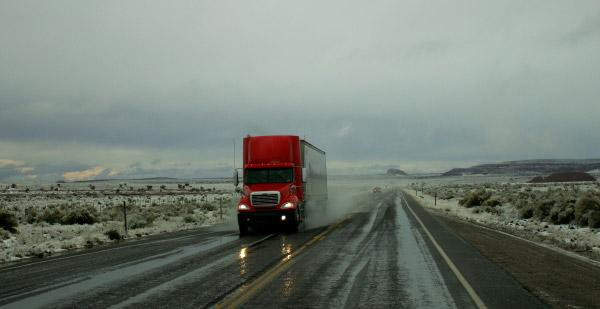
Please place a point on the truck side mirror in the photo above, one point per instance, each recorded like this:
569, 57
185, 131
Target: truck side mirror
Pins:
236, 178
304, 174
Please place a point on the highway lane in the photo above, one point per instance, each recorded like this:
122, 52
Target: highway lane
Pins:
383, 255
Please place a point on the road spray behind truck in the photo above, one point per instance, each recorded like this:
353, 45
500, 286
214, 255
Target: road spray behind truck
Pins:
281, 175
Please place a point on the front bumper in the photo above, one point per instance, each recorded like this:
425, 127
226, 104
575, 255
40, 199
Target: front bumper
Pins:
268, 217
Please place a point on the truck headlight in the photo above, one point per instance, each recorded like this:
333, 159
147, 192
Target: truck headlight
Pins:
243, 207
287, 205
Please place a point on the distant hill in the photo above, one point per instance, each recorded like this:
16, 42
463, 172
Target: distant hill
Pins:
119, 179
564, 177
528, 167
395, 172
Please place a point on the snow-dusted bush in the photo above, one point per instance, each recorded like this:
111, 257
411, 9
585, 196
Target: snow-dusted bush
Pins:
541, 208
8, 222
587, 210
446, 194
562, 213
475, 198
113, 235
138, 221
85, 215
492, 202
52, 215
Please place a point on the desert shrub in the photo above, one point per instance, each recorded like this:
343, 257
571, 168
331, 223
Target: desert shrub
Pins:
30, 215
8, 222
526, 212
80, 216
4, 234
113, 235
492, 210
541, 209
51, 215
492, 202
587, 210
189, 219
208, 207
562, 213
594, 219
475, 198
138, 221
445, 194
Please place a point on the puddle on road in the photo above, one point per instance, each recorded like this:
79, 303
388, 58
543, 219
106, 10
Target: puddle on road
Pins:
286, 248
243, 261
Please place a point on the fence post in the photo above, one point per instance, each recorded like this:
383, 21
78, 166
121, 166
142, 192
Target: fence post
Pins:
125, 216
221, 206
435, 199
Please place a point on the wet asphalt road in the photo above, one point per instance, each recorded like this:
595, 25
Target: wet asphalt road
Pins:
378, 257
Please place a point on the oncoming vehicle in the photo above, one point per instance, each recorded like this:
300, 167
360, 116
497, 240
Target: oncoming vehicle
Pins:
280, 175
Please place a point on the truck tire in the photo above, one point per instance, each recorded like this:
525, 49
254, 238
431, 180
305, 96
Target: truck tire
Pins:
243, 229
293, 224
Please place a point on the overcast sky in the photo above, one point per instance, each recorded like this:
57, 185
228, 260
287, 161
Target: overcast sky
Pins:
160, 88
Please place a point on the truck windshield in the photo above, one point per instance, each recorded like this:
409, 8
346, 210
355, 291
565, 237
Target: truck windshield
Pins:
266, 175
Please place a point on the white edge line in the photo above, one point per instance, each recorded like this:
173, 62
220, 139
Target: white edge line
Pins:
476, 299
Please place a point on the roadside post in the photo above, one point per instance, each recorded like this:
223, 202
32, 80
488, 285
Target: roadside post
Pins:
435, 198
221, 206
125, 216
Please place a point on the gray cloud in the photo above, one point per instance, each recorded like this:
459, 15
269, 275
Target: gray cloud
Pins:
164, 84
588, 29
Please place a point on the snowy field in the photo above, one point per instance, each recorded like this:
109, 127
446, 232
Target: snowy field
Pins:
563, 215
59, 217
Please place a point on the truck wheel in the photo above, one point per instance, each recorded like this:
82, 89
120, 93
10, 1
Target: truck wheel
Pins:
293, 224
243, 229
293, 227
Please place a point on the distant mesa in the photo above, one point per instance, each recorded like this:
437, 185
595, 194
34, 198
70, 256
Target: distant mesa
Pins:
395, 172
528, 167
563, 177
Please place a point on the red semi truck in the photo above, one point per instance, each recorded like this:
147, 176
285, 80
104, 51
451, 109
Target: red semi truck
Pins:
281, 174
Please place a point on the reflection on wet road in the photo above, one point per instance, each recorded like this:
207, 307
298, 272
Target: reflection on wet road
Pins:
376, 258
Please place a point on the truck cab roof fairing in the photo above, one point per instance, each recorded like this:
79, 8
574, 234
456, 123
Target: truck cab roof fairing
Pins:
273, 150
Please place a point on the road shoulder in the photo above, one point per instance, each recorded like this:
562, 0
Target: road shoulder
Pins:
496, 287
560, 280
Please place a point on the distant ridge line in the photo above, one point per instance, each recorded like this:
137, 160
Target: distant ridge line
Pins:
528, 167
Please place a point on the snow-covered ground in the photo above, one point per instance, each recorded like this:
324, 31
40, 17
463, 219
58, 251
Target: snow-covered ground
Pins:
507, 217
42, 215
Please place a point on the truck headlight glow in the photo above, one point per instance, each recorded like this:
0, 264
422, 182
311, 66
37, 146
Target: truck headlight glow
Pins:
243, 207
287, 205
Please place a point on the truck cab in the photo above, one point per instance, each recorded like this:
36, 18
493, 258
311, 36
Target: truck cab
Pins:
280, 174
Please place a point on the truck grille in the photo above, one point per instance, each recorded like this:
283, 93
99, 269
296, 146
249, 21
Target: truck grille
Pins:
264, 199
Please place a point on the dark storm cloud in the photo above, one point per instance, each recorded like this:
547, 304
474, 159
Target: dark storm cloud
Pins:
98, 86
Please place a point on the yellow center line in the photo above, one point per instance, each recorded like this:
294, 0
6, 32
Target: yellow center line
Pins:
249, 289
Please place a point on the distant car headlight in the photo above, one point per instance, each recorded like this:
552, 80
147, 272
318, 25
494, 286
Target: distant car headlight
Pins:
288, 205
243, 207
